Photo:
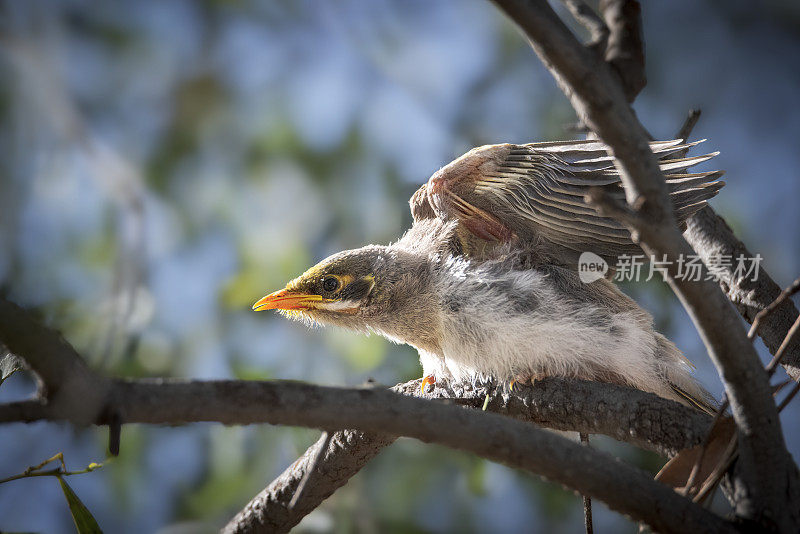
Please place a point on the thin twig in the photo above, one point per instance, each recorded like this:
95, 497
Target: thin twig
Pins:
793, 288
114, 433
326, 441
785, 402
625, 49
608, 206
686, 131
778, 357
786, 293
61, 471
587, 501
586, 16
700, 457
689, 124
713, 480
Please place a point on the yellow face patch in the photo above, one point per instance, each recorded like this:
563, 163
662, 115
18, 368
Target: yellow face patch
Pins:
305, 278
315, 290
315, 274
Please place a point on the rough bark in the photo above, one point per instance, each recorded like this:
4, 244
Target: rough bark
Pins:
710, 236
600, 102
82, 397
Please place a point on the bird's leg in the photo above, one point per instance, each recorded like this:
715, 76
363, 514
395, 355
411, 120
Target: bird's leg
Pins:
526, 378
426, 380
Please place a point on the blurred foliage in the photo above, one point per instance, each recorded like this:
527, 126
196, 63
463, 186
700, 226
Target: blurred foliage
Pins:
165, 164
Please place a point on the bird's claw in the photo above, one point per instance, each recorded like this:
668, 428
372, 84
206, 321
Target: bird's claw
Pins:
429, 379
525, 379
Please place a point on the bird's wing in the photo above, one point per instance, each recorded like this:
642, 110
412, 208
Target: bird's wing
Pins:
535, 193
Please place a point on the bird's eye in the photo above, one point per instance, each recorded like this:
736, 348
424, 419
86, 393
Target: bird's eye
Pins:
330, 284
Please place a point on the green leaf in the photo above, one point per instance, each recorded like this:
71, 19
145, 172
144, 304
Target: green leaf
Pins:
84, 521
476, 478
9, 364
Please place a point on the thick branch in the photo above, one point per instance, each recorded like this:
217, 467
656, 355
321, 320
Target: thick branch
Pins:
379, 411
601, 102
518, 445
629, 415
625, 414
382, 412
69, 385
348, 452
710, 236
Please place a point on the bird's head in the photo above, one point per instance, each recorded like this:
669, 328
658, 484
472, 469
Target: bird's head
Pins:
339, 290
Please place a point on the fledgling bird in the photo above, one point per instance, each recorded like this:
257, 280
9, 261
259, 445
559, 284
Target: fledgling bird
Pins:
485, 284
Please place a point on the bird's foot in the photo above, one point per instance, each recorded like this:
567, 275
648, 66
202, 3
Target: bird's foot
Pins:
526, 378
426, 380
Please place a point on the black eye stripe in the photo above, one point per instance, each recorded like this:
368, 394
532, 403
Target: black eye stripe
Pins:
357, 290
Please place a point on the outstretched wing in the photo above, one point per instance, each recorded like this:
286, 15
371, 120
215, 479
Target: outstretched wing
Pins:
534, 193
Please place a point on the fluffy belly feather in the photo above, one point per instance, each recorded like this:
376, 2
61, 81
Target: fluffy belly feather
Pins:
517, 324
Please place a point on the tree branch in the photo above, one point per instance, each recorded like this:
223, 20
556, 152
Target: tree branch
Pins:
630, 415
103, 401
492, 436
598, 31
643, 419
710, 236
518, 445
587, 407
347, 453
66, 381
601, 103
625, 414
625, 50
522, 446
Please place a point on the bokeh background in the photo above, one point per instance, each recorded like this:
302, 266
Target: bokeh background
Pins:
165, 164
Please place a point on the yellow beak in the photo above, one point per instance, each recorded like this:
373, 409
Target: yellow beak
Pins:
287, 300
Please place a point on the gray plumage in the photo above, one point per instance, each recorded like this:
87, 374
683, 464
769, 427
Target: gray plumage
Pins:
484, 286
534, 193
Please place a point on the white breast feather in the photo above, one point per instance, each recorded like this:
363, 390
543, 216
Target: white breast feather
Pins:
485, 337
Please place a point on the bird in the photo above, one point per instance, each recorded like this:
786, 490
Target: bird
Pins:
485, 282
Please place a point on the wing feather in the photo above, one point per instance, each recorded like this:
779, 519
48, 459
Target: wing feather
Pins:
536, 192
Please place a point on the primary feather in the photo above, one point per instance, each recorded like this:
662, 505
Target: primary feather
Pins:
535, 193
